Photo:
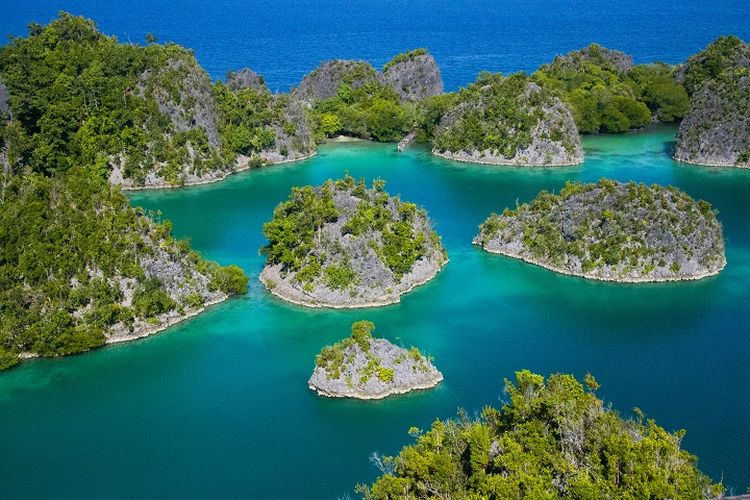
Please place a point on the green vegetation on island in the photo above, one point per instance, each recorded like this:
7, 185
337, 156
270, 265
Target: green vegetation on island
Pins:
504, 120
371, 111
79, 267
364, 367
607, 93
343, 244
611, 231
144, 115
552, 439
726, 58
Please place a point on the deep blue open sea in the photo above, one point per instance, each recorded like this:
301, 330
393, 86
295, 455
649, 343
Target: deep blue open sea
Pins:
219, 406
285, 39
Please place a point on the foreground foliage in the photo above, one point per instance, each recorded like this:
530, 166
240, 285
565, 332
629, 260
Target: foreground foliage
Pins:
552, 439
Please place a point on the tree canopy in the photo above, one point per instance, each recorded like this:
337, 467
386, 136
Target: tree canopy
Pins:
551, 439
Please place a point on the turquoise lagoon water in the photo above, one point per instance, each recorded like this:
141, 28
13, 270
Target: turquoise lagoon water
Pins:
220, 406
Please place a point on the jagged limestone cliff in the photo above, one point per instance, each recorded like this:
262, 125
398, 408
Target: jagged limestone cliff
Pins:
413, 75
325, 80
611, 231
364, 367
343, 245
246, 79
508, 121
716, 131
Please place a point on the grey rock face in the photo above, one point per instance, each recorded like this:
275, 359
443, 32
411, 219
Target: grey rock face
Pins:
554, 139
179, 277
716, 131
246, 79
192, 105
4, 96
325, 80
410, 371
612, 231
414, 79
294, 136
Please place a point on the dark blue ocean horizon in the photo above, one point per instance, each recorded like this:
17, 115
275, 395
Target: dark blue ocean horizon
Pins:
285, 39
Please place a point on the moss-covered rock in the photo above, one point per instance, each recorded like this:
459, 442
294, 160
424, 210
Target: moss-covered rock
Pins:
345, 245
611, 231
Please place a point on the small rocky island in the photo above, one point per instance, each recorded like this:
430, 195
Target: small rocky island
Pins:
364, 367
344, 245
611, 231
508, 121
716, 130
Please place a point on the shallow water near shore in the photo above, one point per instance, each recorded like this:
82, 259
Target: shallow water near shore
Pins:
219, 405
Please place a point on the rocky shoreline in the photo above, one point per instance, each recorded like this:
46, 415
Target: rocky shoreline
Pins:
567, 272
480, 158
144, 329
368, 368
168, 320
275, 284
224, 174
611, 231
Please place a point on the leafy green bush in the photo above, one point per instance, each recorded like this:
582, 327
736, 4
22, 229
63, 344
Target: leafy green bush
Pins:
553, 438
339, 277
371, 111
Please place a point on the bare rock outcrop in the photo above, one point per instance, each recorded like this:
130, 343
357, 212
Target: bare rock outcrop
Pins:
413, 75
4, 97
182, 90
611, 231
246, 79
716, 131
325, 80
363, 367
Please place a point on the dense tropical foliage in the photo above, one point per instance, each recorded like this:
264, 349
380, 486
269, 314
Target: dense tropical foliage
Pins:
607, 93
77, 261
371, 111
551, 439
495, 113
